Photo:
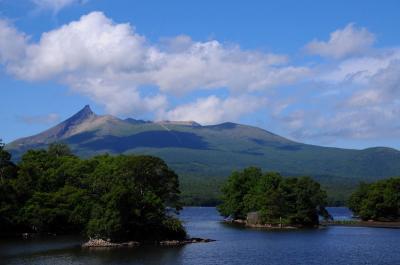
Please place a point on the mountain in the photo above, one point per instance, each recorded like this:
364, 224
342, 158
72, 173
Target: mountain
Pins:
201, 152
210, 150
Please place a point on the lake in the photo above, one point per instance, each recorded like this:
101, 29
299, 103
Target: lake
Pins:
234, 245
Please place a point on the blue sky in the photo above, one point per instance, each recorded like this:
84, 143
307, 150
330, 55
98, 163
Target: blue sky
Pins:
317, 72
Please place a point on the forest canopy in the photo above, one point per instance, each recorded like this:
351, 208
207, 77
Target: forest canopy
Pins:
122, 197
378, 201
297, 201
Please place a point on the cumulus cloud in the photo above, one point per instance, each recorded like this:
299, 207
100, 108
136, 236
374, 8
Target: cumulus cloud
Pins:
12, 43
112, 64
344, 42
90, 45
212, 64
211, 110
54, 5
118, 97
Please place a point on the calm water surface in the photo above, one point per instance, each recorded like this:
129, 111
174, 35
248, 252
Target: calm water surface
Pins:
333, 245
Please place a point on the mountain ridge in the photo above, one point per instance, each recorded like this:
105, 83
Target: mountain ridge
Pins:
210, 150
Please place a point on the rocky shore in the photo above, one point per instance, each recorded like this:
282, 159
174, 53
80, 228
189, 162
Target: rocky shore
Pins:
259, 225
100, 243
184, 242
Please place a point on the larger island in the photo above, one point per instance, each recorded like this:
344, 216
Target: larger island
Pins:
112, 198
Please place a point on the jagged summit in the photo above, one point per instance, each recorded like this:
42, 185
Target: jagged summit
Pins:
62, 130
84, 113
81, 116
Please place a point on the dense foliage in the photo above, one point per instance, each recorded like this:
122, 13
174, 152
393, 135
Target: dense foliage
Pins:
290, 201
117, 197
378, 201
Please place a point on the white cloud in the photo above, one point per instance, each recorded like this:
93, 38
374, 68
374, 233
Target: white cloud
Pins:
54, 5
211, 110
92, 44
112, 64
212, 64
12, 43
343, 42
383, 88
370, 111
118, 97
360, 69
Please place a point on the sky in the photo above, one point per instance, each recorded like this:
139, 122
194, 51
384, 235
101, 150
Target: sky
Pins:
319, 72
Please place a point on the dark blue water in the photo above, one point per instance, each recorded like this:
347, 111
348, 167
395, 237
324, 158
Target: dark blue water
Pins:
333, 245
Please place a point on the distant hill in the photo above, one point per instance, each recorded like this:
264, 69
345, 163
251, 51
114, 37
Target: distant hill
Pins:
201, 152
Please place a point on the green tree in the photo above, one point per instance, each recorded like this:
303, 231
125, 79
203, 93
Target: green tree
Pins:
133, 194
63, 211
8, 200
235, 190
7, 167
357, 197
59, 150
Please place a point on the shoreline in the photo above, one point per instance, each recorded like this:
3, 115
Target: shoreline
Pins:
350, 223
372, 224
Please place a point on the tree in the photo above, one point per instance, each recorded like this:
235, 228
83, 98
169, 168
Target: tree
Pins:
234, 191
8, 201
133, 193
8, 169
357, 197
59, 150
63, 211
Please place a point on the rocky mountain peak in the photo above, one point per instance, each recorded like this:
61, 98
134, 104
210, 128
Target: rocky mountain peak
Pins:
82, 115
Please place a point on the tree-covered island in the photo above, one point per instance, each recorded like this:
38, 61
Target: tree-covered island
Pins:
378, 201
119, 198
270, 200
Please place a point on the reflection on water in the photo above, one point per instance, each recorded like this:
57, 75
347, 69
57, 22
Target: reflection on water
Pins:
333, 245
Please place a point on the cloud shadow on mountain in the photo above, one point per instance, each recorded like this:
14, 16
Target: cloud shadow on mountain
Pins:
152, 139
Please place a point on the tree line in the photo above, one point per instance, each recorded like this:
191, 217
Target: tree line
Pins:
134, 197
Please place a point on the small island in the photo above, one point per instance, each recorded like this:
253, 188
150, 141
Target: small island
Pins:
378, 201
259, 200
375, 204
114, 201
